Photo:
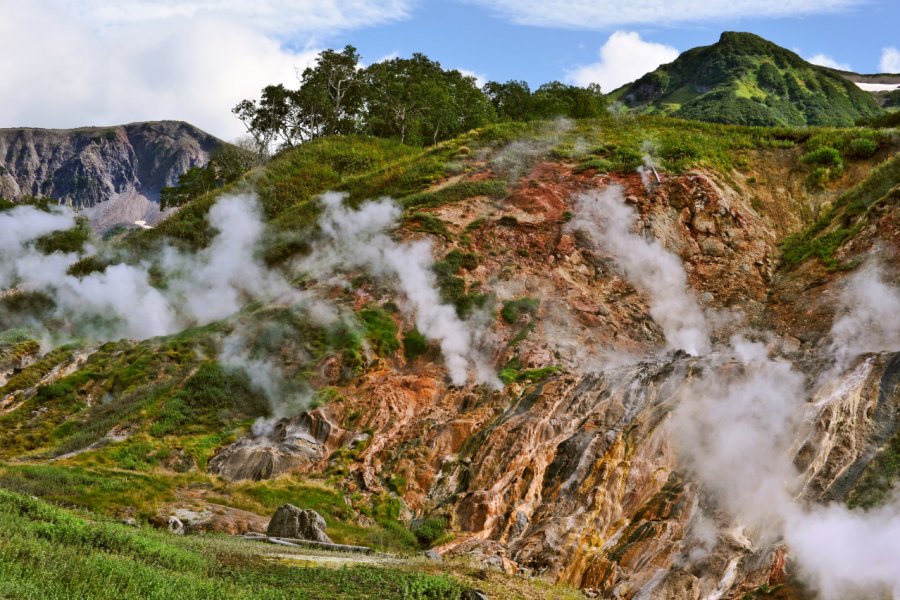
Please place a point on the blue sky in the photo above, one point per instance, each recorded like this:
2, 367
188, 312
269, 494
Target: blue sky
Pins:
466, 35
105, 62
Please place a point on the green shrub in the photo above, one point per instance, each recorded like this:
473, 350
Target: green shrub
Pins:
430, 531
513, 372
600, 164
861, 147
825, 157
414, 345
429, 224
70, 240
381, 330
512, 309
212, 394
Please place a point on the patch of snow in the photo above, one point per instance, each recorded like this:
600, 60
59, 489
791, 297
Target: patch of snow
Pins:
877, 87
143, 224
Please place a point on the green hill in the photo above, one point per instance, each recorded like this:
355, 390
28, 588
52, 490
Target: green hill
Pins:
746, 80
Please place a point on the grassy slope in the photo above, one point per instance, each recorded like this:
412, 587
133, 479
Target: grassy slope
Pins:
744, 79
47, 553
179, 407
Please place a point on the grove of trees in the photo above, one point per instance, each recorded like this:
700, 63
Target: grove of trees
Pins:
412, 99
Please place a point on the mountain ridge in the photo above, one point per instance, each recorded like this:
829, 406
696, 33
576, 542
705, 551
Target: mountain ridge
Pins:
745, 79
115, 173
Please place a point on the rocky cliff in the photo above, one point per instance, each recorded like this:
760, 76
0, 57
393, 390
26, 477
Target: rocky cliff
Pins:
114, 172
682, 381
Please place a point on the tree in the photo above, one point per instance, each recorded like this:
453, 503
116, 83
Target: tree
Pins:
514, 100
418, 102
330, 97
195, 182
556, 99
511, 100
226, 164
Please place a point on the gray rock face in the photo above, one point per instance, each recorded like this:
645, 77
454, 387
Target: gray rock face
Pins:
292, 522
289, 445
88, 166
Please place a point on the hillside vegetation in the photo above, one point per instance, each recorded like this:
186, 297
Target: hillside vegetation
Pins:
128, 428
745, 79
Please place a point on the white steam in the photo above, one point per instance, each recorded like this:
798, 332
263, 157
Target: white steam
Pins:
734, 428
848, 554
357, 239
647, 265
868, 321
740, 417
19, 228
649, 171
217, 281
285, 399
120, 301
737, 427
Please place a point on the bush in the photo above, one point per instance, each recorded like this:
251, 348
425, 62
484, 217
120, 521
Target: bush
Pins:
414, 345
430, 531
70, 240
824, 156
381, 331
211, 394
861, 147
512, 309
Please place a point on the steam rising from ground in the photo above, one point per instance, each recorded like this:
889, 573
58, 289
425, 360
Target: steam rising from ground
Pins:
647, 265
740, 418
737, 427
649, 170
180, 290
869, 318
517, 157
357, 239
120, 301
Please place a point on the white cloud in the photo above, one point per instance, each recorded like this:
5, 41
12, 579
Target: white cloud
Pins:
92, 62
623, 58
890, 60
600, 14
480, 78
823, 60
283, 16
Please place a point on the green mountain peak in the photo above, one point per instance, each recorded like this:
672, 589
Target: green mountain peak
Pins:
745, 79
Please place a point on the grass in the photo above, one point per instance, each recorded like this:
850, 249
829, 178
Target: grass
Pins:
47, 553
514, 372
462, 190
845, 218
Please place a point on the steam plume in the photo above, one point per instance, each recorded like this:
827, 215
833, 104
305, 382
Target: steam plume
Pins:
120, 301
357, 239
868, 320
647, 265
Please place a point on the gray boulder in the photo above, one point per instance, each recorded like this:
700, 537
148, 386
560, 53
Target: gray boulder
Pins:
296, 523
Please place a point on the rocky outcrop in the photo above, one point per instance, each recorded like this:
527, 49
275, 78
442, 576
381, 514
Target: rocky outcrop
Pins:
285, 445
126, 165
206, 517
296, 523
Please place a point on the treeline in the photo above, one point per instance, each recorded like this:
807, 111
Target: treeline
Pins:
413, 100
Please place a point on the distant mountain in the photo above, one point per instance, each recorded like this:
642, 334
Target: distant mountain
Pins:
115, 173
745, 79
